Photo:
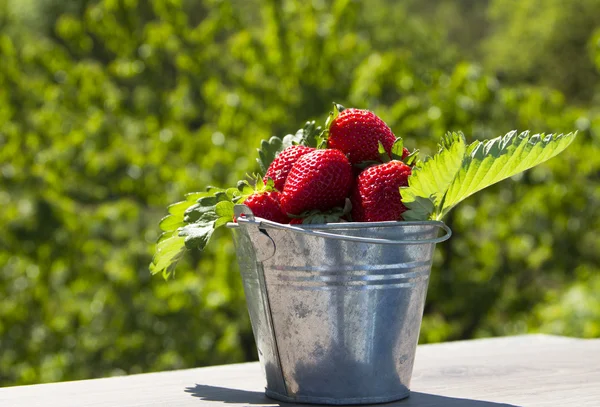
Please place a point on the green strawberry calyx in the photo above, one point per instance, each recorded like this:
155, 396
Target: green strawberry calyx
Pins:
334, 215
324, 135
396, 155
309, 135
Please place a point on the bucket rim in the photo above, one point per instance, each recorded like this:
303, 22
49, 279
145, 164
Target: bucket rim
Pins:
352, 225
327, 230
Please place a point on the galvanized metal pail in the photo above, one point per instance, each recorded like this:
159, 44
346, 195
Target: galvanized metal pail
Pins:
336, 309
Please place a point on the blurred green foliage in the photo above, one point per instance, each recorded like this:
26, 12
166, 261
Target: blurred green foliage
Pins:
112, 109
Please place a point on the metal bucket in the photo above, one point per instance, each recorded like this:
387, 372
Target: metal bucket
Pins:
336, 309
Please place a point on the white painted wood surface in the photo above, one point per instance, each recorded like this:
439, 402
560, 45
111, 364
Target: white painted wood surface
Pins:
533, 370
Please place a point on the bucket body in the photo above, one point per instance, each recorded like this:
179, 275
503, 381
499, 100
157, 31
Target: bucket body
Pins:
336, 321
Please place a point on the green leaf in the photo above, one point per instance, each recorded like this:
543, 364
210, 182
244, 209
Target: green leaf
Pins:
337, 109
431, 178
194, 196
489, 162
197, 235
207, 200
190, 226
198, 212
270, 185
456, 172
167, 254
412, 158
170, 223
221, 196
177, 212
306, 136
419, 209
224, 208
323, 137
268, 151
166, 235
291, 139
398, 149
232, 194
177, 209
333, 215
222, 221
245, 188
259, 184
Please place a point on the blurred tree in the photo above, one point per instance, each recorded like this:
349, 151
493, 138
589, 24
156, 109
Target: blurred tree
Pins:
111, 109
545, 42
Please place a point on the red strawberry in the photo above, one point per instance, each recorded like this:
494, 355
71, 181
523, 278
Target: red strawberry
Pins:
376, 197
357, 134
318, 180
266, 205
282, 164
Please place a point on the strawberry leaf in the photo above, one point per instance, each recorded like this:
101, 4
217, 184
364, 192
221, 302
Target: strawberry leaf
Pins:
168, 252
431, 178
224, 208
306, 136
491, 161
170, 247
232, 194
456, 172
419, 209
190, 225
198, 234
222, 221
269, 149
170, 223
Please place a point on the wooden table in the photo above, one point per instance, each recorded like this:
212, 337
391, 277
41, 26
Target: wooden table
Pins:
532, 370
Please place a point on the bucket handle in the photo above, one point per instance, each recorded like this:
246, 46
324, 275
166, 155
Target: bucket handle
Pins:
249, 218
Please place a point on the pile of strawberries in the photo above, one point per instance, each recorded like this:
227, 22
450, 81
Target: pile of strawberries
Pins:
310, 185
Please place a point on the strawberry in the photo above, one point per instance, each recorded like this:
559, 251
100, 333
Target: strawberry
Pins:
319, 180
376, 196
357, 133
282, 164
266, 205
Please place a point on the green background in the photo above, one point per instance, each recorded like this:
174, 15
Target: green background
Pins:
111, 110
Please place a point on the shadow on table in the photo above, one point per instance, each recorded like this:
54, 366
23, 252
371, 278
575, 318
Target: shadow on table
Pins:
247, 397
417, 399
234, 396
